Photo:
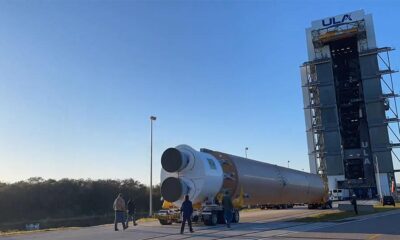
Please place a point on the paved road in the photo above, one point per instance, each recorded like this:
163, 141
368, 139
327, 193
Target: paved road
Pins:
270, 224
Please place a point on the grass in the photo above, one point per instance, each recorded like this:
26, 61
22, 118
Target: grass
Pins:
49, 223
250, 209
340, 215
18, 232
143, 220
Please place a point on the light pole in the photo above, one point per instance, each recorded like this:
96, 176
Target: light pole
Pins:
288, 162
245, 151
152, 118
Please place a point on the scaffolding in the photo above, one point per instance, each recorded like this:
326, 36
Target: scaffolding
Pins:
389, 96
314, 108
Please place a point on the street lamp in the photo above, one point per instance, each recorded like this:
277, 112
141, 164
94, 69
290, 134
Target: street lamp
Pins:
288, 163
245, 151
152, 118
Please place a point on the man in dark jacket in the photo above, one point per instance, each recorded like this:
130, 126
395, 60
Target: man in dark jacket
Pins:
131, 212
228, 207
354, 203
186, 210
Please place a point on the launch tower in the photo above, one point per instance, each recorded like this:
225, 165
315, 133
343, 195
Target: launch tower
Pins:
350, 105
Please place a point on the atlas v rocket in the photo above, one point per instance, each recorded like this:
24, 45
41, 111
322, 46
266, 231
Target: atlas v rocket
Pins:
204, 174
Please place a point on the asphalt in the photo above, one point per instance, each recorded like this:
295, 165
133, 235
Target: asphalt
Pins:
262, 224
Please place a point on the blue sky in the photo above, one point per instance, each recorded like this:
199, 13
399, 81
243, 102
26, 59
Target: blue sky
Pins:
79, 80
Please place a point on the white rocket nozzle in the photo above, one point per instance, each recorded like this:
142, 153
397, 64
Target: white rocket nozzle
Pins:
173, 189
173, 160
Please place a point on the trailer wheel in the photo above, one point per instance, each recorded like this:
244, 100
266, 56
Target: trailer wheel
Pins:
236, 217
311, 206
206, 222
221, 217
164, 222
211, 220
214, 219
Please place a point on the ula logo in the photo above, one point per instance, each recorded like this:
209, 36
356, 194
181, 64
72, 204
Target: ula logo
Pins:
364, 146
333, 20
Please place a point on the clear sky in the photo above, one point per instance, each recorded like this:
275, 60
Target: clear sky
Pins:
79, 80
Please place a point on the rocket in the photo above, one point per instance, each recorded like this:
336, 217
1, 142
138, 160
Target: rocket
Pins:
206, 173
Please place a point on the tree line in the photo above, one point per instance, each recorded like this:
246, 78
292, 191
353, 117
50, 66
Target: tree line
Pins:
37, 199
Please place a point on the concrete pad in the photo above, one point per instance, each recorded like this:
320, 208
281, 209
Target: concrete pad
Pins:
265, 225
313, 235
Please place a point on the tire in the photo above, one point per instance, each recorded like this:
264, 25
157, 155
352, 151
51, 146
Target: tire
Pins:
207, 222
211, 220
236, 216
221, 217
214, 219
164, 222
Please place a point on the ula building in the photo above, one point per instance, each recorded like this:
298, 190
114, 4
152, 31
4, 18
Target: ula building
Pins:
350, 106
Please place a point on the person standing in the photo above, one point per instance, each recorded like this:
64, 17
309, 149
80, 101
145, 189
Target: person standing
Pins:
186, 210
228, 207
120, 209
354, 203
369, 193
131, 212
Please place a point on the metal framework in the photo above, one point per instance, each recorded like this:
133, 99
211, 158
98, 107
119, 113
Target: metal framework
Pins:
315, 106
390, 96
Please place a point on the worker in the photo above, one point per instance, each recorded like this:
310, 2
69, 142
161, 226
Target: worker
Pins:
369, 193
329, 203
120, 209
354, 203
187, 210
216, 200
131, 213
228, 207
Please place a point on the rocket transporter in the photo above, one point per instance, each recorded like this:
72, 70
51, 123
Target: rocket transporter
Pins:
205, 175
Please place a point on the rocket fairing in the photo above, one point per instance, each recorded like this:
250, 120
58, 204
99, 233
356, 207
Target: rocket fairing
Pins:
204, 174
